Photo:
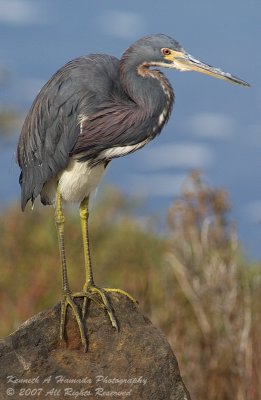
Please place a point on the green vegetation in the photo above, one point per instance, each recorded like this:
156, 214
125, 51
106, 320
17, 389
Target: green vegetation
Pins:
193, 283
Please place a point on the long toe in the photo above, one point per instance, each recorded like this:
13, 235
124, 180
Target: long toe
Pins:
68, 300
100, 297
122, 292
105, 300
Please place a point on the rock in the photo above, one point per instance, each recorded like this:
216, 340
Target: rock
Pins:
134, 363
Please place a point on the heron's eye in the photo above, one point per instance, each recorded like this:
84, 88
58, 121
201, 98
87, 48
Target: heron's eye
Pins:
166, 52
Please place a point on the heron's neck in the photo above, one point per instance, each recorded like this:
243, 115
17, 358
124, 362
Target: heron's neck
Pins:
148, 88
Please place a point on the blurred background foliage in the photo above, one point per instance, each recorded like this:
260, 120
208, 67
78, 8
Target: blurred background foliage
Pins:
192, 281
10, 117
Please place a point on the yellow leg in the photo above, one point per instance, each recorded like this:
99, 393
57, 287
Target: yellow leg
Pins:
84, 215
68, 298
89, 287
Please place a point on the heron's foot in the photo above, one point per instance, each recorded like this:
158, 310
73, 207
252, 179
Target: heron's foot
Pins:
68, 300
90, 290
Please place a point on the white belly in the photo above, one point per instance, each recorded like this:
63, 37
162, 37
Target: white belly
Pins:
76, 182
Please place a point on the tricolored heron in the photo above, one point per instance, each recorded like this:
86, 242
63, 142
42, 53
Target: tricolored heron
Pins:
92, 110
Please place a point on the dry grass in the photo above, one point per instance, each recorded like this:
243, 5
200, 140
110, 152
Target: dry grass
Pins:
214, 296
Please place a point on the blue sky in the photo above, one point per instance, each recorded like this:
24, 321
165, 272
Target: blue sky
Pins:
215, 127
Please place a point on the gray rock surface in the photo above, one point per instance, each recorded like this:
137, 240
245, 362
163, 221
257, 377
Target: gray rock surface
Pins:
134, 363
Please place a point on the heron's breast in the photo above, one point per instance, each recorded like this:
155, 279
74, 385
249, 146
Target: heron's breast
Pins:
79, 179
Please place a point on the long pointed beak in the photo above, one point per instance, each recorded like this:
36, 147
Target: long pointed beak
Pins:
185, 62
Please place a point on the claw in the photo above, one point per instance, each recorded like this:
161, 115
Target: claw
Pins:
68, 300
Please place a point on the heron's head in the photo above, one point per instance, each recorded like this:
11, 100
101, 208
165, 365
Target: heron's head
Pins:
163, 51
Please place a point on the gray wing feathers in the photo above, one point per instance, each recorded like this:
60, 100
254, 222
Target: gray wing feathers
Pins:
52, 126
49, 133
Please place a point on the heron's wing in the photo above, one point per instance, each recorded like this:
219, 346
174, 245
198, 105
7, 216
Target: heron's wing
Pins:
52, 125
49, 133
114, 131
104, 129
